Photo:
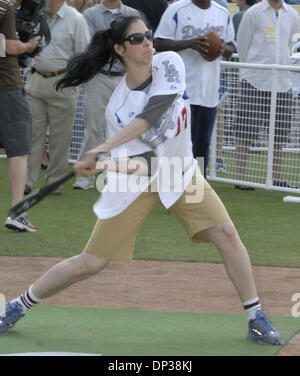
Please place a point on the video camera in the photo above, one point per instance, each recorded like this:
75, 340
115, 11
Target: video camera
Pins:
31, 21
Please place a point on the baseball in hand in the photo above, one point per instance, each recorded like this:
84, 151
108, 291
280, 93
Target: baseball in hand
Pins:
214, 48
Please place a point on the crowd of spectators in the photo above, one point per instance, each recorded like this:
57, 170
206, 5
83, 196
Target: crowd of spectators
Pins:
176, 28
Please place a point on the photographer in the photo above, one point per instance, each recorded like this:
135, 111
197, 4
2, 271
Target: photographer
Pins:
15, 118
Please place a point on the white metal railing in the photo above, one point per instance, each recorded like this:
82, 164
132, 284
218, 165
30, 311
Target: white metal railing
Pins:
260, 162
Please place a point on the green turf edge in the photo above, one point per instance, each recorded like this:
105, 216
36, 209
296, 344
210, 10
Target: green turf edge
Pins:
266, 225
134, 332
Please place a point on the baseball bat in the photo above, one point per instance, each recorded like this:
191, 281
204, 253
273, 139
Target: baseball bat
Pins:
35, 197
108, 164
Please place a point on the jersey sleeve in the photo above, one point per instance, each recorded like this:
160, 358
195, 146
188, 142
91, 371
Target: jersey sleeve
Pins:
167, 25
168, 74
156, 107
230, 33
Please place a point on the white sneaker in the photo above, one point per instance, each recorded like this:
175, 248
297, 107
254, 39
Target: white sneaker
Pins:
21, 223
84, 183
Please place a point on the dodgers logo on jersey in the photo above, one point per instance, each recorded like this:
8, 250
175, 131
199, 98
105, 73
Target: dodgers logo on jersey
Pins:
190, 31
172, 74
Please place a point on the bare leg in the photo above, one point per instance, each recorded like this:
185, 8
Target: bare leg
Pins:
17, 171
67, 272
235, 257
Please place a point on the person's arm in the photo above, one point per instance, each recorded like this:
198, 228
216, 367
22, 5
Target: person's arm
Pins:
198, 44
88, 166
16, 47
160, 100
90, 21
165, 35
152, 113
295, 29
229, 46
81, 36
244, 36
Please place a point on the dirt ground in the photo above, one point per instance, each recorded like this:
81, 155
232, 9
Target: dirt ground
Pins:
154, 285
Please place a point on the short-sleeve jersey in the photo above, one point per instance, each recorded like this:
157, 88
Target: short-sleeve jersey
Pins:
184, 20
169, 139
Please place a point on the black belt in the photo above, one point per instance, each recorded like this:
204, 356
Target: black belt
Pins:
110, 73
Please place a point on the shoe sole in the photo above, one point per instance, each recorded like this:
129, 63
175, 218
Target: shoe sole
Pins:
253, 338
5, 333
83, 189
16, 228
244, 188
13, 227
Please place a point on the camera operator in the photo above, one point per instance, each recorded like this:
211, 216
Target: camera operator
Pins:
15, 118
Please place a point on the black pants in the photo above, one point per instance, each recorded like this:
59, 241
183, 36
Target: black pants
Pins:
202, 124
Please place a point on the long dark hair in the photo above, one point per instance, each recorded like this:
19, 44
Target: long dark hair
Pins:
83, 67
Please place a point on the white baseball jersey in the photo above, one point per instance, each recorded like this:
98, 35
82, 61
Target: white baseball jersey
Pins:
183, 20
170, 139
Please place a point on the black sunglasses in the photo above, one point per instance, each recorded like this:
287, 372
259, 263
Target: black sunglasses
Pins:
138, 38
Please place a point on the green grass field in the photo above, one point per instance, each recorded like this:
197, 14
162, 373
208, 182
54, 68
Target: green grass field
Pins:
257, 166
268, 227
121, 332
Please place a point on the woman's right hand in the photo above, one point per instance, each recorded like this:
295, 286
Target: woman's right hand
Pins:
88, 166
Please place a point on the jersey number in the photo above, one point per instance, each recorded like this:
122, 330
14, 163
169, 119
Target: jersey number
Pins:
182, 121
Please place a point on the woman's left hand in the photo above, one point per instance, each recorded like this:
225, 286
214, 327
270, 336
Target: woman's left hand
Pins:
84, 169
87, 167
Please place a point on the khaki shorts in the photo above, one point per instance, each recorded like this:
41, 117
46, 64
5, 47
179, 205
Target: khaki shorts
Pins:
114, 238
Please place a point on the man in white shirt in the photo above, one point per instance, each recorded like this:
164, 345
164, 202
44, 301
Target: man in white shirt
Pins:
265, 37
181, 29
69, 36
